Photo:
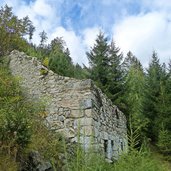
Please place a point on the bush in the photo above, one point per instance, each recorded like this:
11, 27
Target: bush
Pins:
15, 123
14, 129
164, 141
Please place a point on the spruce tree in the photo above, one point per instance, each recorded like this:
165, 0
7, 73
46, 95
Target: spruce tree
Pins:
114, 88
152, 93
129, 61
43, 38
98, 60
163, 108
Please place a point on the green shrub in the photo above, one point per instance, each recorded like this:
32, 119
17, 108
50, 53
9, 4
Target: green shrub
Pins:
164, 141
43, 71
14, 129
15, 132
46, 62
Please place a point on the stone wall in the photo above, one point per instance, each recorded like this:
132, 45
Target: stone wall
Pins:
73, 107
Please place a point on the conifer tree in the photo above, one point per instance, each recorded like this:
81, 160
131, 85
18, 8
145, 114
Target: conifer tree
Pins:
163, 108
98, 60
106, 68
31, 31
134, 95
59, 58
43, 38
152, 93
114, 87
129, 61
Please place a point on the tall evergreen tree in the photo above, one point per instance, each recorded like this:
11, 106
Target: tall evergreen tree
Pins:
31, 31
114, 87
106, 68
43, 38
129, 61
98, 60
153, 81
163, 108
134, 95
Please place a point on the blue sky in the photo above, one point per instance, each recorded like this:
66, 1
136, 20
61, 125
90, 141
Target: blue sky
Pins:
137, 25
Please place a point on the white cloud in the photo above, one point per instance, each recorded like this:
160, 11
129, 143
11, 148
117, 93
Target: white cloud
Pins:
89, 36
156, 4
144, 33
42, 8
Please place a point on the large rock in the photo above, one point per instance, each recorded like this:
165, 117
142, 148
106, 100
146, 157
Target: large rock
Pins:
36, 162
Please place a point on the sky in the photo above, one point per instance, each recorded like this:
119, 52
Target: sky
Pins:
139, 26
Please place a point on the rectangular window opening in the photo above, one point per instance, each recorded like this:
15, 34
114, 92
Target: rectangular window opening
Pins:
106, 146
122, 146
112, 144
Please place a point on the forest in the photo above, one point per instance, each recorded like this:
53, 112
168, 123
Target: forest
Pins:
142, 94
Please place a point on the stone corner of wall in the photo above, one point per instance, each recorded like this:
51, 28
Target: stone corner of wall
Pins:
14, 52
100, 95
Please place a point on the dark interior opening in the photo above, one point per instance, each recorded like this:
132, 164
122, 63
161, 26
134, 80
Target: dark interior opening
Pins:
112, 144
122, 146
117, 115
105, 146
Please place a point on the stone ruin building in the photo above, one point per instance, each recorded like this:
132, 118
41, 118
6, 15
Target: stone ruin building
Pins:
73, 107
